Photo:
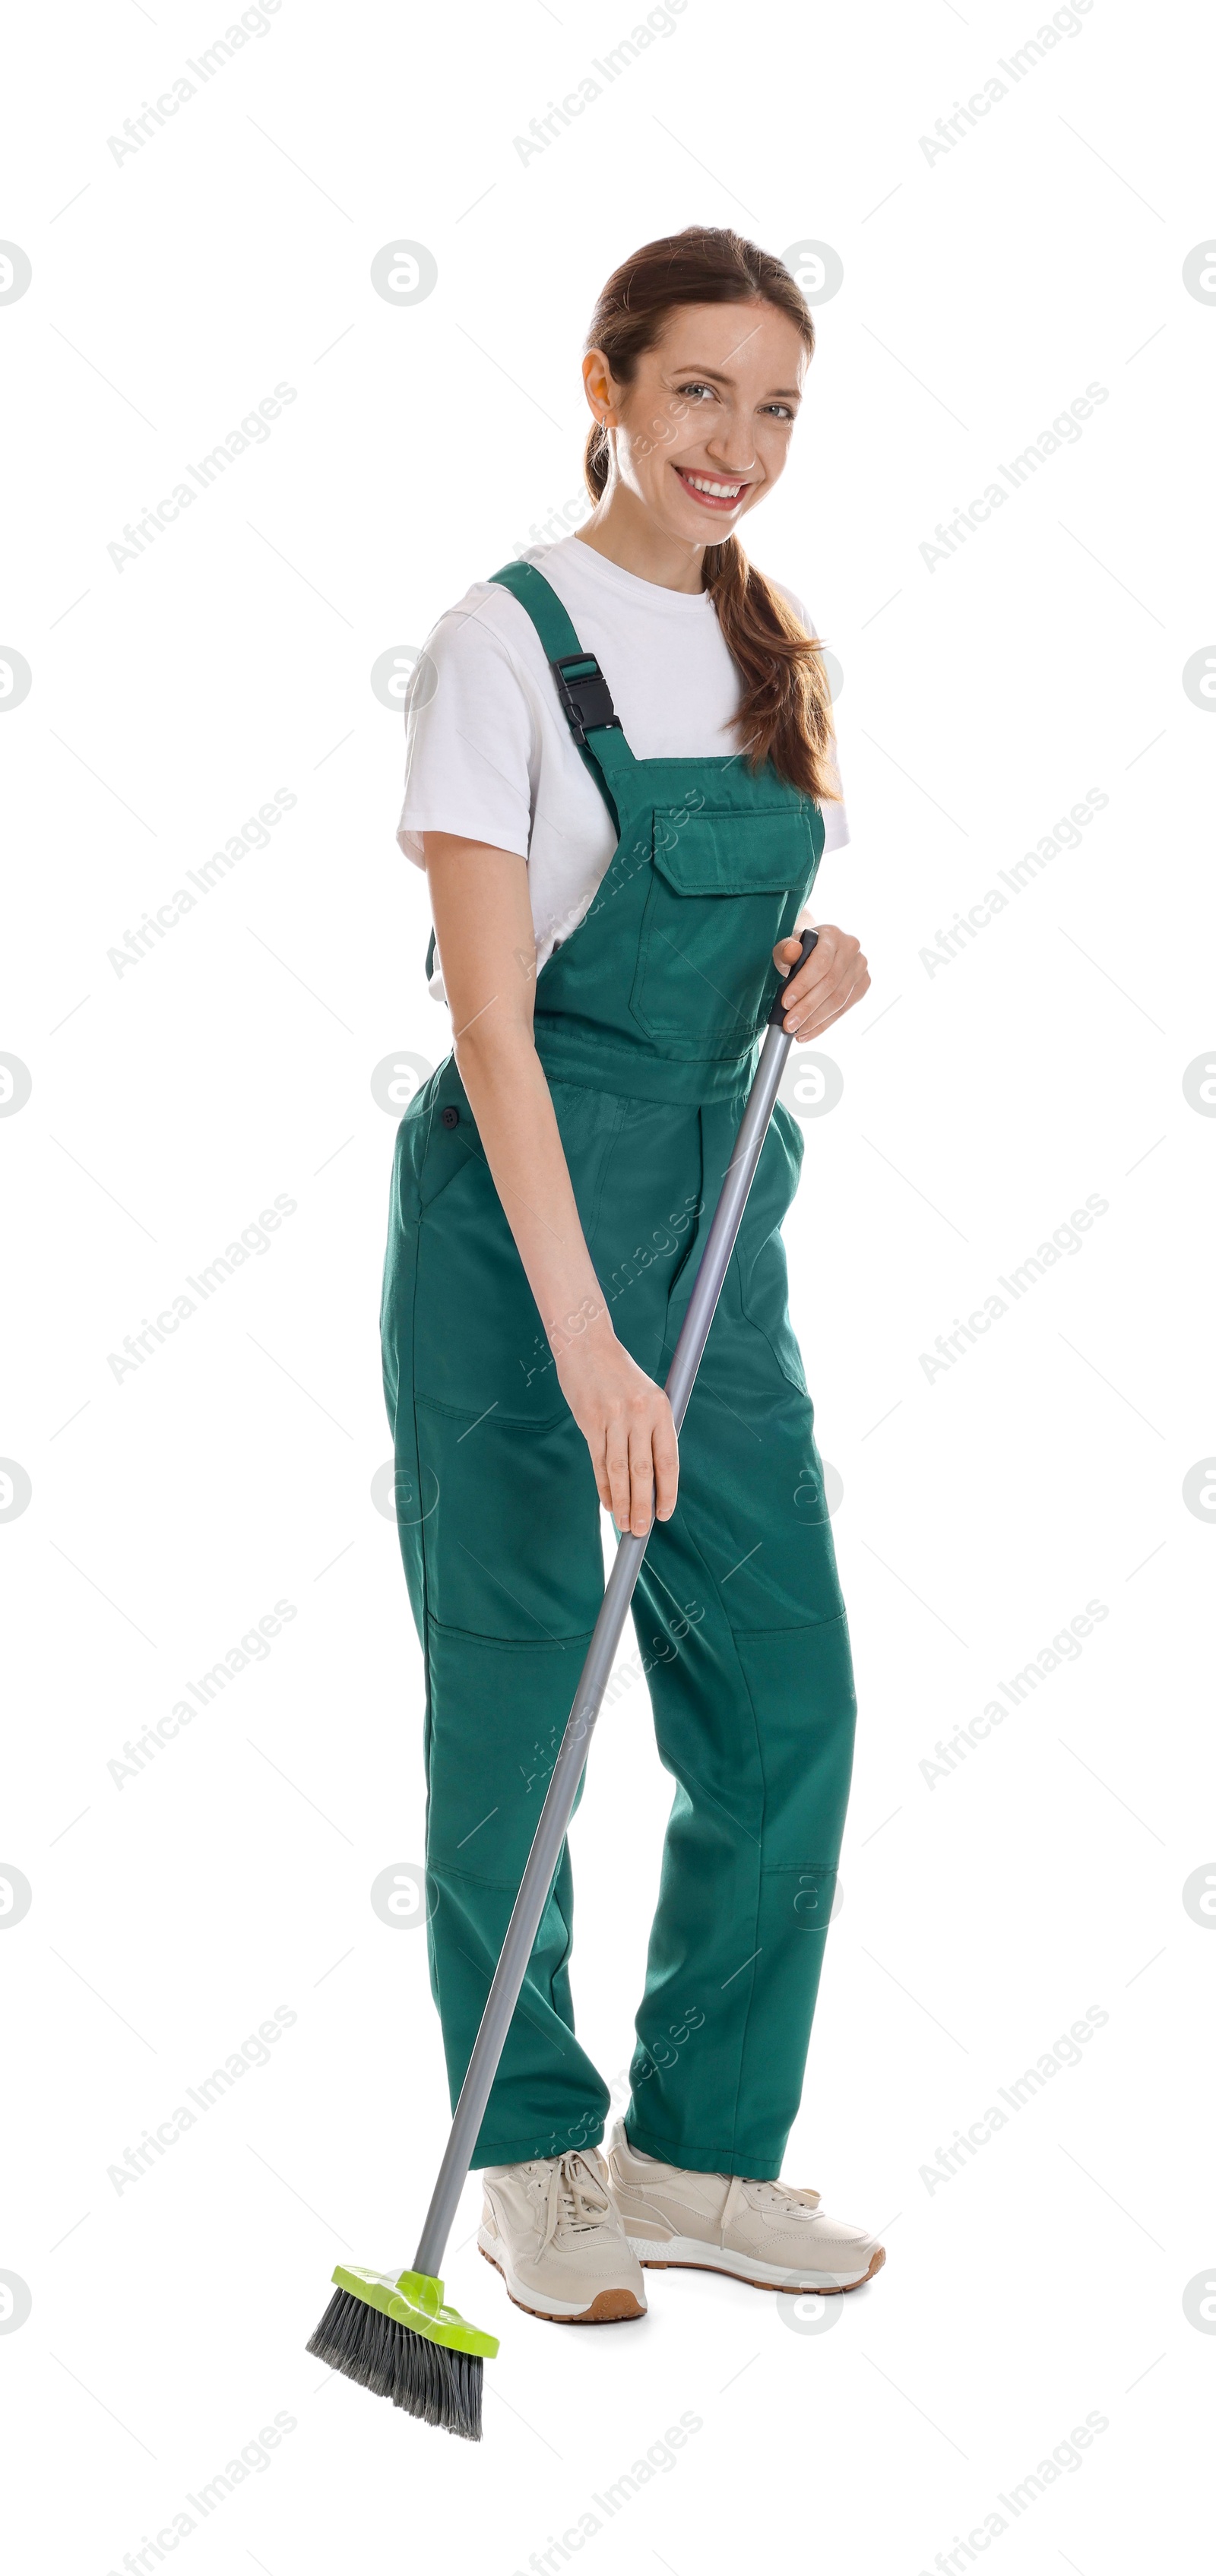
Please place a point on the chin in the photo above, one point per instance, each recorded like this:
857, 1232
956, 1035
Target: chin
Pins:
701, 528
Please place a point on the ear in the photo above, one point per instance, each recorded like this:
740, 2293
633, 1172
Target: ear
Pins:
598, 387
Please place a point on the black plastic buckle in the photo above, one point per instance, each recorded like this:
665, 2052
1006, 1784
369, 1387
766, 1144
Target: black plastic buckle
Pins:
584, 693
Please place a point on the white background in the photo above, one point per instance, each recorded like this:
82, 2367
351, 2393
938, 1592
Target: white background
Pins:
984, 1911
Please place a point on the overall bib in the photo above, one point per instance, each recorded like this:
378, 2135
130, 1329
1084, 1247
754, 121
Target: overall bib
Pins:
647, 1023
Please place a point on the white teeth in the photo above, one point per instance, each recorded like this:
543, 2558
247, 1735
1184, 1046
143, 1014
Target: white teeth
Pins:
717, 491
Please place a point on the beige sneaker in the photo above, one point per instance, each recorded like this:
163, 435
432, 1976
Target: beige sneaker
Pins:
761, 2232
551, 2229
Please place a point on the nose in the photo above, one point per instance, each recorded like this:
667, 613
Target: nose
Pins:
733, 447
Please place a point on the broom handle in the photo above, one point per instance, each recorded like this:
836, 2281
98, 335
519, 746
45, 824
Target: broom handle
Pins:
572, 1754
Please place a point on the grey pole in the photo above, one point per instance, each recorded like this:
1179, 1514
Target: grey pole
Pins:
618, 1592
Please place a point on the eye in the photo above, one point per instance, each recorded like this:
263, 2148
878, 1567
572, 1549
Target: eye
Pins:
782, 411
689, 390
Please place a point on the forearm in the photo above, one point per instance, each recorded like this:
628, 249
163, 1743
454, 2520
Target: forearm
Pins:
512, 1104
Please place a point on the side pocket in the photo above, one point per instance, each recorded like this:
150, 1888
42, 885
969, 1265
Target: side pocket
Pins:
791, 1131
441, 1151
764, 1297
763, 1272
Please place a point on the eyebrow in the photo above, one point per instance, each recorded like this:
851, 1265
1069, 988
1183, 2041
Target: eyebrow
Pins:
714, 375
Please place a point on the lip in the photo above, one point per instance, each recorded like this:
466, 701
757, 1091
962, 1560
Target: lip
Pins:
723, 508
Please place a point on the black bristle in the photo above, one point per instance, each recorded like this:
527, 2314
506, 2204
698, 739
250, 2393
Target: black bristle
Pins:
426, 2379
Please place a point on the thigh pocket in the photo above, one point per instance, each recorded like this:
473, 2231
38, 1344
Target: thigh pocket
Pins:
499, 1709
800, 1683
724, 887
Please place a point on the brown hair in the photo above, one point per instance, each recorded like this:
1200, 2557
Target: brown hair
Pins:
786, 710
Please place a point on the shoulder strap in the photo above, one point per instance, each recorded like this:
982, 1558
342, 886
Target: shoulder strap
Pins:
543, 606
583, 692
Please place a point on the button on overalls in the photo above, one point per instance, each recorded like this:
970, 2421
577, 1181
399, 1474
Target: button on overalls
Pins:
647, 1020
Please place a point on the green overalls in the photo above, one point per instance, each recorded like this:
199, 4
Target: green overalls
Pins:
647, 1020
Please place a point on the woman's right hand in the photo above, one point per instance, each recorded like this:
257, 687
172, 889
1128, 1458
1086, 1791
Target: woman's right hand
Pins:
626, 1422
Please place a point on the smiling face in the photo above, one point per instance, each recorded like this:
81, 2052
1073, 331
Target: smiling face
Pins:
703, 430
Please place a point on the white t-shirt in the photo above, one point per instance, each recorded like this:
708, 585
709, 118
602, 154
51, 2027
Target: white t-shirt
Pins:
489, 754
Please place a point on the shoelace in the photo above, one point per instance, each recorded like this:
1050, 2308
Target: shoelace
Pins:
576, 2197
791, 2202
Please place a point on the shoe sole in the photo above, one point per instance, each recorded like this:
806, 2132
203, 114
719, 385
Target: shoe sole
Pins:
707, 2258
608, 2307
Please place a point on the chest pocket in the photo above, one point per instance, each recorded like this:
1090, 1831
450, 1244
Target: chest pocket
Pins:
724, 887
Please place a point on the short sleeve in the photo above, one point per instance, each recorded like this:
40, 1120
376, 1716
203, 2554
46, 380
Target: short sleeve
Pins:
470, 740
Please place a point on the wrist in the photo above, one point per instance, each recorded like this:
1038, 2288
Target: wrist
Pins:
585, 1326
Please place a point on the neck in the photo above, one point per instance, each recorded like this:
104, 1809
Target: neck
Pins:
624, 530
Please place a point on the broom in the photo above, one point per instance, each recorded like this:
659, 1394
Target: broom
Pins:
391, 2332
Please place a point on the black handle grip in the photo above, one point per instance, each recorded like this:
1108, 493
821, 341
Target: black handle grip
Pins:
776, 1017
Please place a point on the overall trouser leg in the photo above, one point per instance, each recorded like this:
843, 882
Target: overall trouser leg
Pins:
500, 1533
740, 1618
738, 1937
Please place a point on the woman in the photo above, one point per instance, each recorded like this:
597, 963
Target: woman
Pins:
618, 756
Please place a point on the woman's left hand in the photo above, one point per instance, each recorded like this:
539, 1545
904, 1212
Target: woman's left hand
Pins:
834, 977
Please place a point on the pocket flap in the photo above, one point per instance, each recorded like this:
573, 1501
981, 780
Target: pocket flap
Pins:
757, 851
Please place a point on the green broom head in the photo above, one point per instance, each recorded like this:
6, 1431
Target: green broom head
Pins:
391, 2333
